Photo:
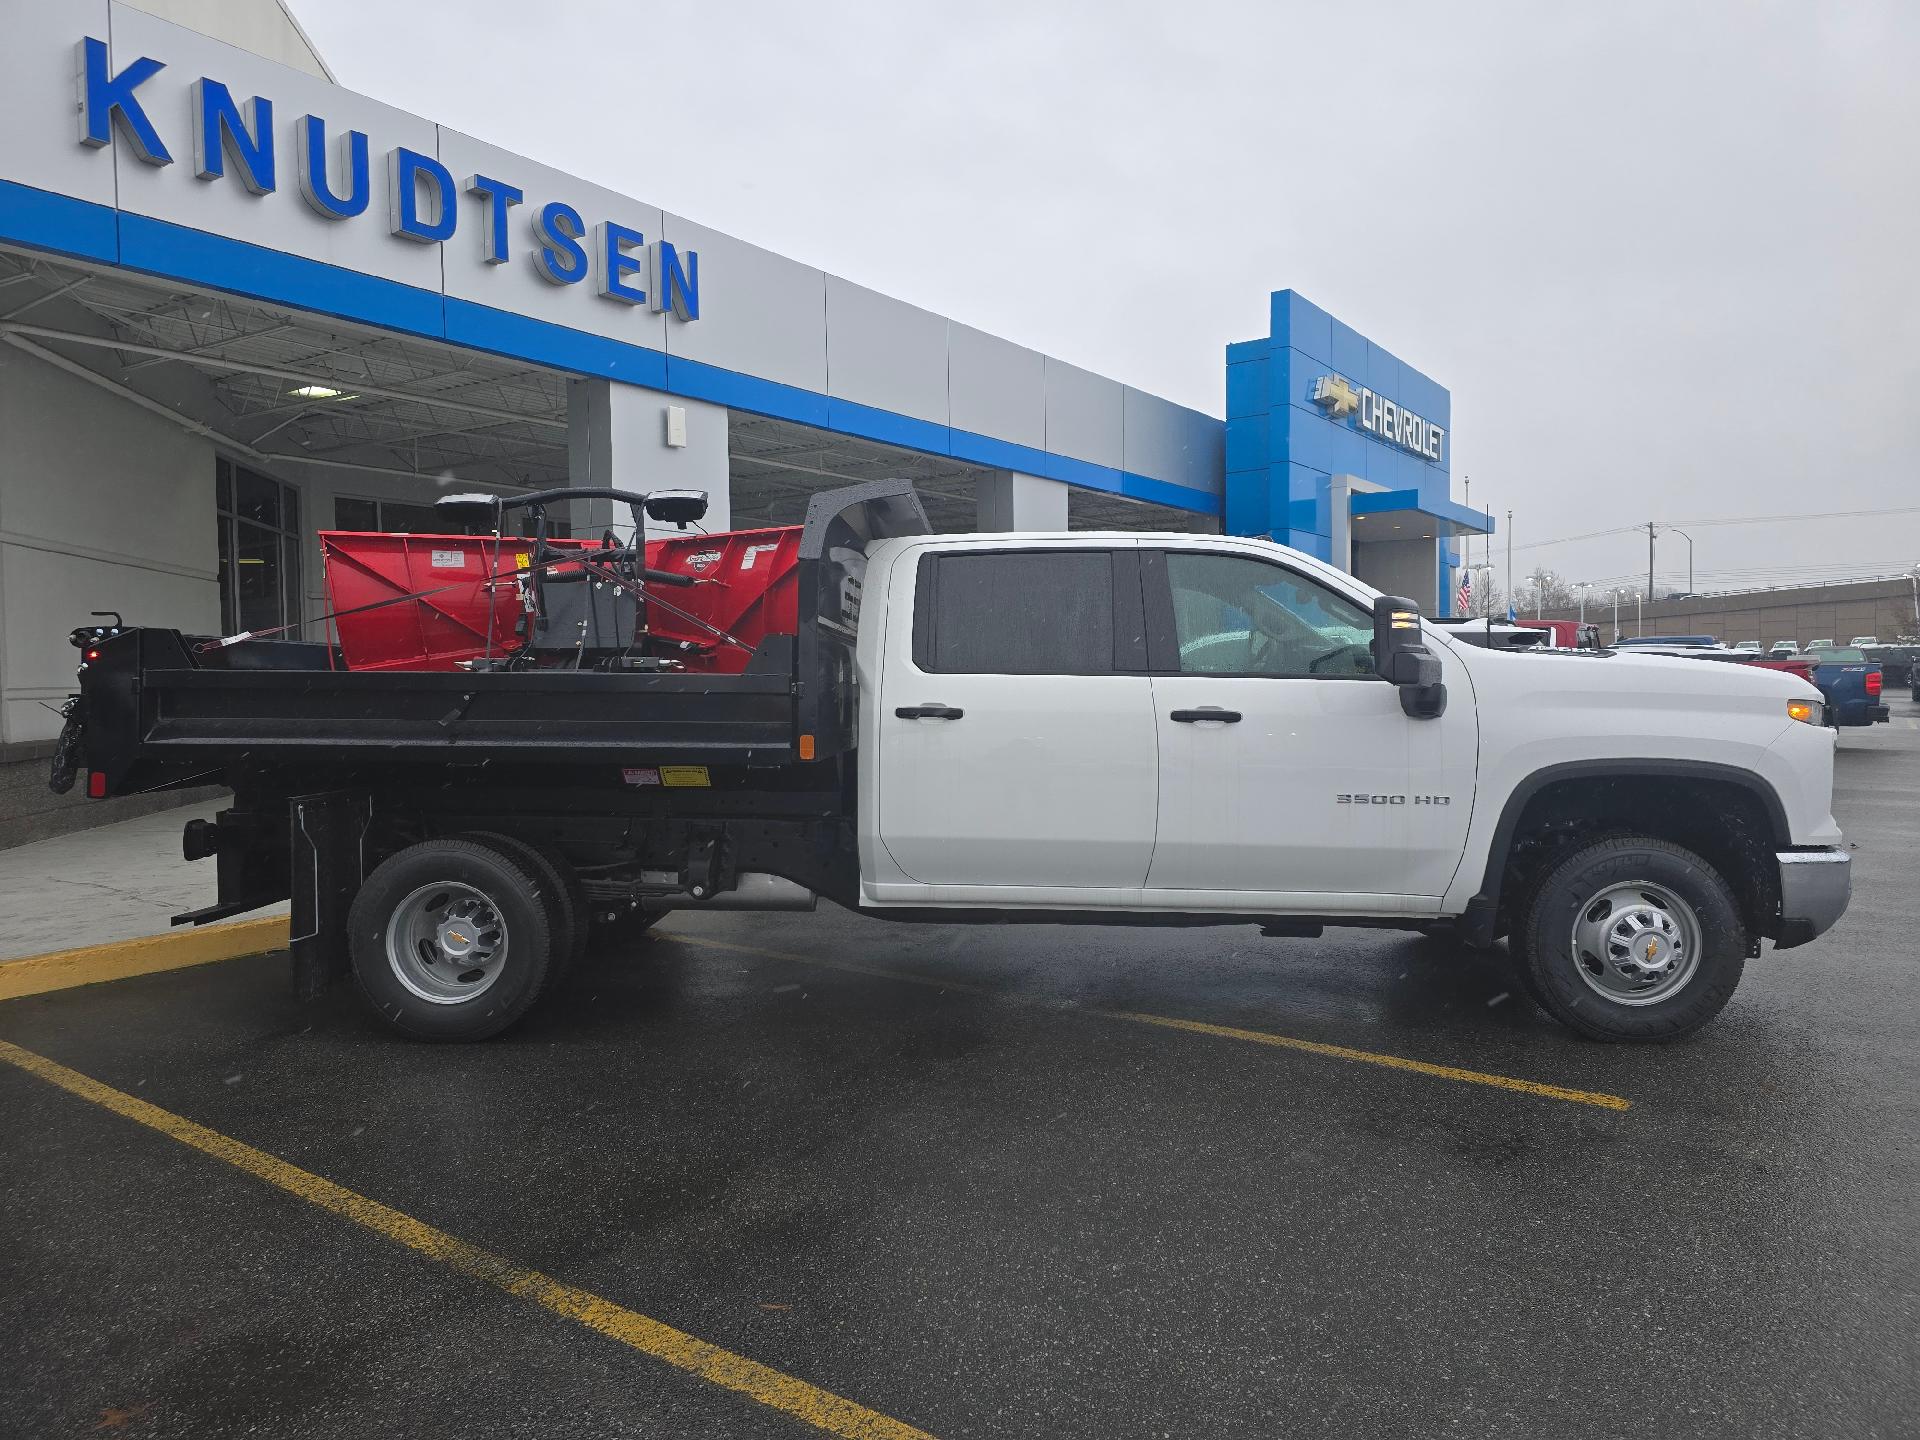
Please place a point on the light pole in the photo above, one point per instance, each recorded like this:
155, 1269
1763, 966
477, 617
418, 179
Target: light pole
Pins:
1689, 539
1510, 561
1616, 617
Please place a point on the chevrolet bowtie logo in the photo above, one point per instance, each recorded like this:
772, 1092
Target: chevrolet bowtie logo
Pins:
1335, 394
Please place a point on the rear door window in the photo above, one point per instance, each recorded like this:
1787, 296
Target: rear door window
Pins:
1017, 612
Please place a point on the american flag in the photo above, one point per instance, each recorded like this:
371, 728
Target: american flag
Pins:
1464, 600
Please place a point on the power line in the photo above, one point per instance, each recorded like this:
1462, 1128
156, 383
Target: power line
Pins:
1735, 582
1726, 520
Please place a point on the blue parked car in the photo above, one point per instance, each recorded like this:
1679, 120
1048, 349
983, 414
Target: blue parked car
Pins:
1850, 683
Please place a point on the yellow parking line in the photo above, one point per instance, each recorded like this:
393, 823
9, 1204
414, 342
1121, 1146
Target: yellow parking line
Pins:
819, 1408
64, 969
1537, 1088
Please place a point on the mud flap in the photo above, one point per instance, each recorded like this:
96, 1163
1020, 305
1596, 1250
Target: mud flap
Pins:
328, 833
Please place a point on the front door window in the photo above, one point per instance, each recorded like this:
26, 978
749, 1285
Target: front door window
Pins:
1235, 615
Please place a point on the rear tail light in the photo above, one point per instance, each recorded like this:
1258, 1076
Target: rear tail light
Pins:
97, 784
1873, 684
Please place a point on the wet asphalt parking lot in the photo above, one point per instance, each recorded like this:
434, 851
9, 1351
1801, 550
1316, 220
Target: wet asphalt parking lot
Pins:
986, 1182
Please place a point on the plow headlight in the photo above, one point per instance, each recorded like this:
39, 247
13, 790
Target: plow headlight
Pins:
1808, 712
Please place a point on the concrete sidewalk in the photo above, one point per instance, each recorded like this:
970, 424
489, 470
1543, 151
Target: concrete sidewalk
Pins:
97, 887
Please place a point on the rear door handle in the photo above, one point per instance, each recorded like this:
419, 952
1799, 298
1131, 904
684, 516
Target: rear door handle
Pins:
1206, 712
929, 712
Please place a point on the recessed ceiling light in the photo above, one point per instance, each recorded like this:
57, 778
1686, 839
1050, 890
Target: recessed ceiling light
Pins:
317, 392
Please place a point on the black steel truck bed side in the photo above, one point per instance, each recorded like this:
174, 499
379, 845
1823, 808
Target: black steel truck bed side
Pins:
161, 709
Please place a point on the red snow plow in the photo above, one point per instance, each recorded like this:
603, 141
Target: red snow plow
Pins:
687, 601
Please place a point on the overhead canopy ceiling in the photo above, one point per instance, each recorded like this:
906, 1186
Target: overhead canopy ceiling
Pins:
292, 386
294, 390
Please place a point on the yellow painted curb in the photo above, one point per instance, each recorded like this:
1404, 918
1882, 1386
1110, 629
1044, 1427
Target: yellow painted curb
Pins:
64, 969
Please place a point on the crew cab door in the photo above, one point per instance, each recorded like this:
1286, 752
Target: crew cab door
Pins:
1311, 787
1015, 720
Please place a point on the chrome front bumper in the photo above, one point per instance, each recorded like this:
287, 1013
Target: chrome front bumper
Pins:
1815, 886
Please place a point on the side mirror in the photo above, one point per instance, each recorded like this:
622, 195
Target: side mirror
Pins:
1401, 657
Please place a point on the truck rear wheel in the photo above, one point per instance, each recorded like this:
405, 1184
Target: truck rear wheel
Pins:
450, 940
1631, 938
565, 910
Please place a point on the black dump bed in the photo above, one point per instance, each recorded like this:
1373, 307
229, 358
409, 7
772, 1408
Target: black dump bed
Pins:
157, 710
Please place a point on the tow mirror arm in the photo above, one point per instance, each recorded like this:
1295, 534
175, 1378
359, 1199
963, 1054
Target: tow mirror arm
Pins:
1401, 657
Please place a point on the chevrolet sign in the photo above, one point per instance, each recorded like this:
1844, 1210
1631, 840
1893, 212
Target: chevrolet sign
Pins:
1395, 424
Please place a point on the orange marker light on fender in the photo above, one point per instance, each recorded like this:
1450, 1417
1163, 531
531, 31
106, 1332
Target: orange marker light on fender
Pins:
806, 747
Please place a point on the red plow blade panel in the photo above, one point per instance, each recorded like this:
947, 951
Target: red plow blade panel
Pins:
746, 584
437, 608
453, 609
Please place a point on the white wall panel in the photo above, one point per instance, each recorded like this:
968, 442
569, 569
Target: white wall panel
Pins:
996, 387
1084, 414
78, 466
261, 26
760, 313
38, 74
282, 220
1171, 443
885, 353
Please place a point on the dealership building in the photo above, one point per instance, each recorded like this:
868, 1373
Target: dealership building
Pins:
240, 304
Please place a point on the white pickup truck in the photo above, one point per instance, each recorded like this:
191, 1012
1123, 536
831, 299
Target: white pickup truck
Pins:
1101, 728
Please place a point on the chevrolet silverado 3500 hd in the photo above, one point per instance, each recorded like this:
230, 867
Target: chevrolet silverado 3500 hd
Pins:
1078, 728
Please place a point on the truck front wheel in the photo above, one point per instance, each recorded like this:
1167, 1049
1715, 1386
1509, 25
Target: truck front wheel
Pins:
1632, 938
450, 940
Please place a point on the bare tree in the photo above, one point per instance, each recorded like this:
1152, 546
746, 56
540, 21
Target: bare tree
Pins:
1544, 590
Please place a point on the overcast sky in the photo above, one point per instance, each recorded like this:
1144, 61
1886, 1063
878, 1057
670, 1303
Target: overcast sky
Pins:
1662, 254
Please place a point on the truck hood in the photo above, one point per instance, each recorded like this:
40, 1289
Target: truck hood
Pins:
1607, 679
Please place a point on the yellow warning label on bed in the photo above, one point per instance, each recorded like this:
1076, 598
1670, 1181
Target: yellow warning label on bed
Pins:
695, 775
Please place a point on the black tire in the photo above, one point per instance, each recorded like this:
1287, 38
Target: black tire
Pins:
558, 887
1544, 945
515, 898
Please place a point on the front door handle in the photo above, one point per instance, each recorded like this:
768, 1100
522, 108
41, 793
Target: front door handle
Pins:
1206, 712
929, 712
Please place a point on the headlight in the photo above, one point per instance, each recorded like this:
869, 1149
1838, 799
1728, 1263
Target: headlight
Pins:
1808, 712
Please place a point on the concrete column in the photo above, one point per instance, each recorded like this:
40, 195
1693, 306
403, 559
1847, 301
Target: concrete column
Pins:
1008, 500
620, 436
1340, 492
1340, 522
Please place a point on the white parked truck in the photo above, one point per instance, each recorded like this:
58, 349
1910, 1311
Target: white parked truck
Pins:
1145, 729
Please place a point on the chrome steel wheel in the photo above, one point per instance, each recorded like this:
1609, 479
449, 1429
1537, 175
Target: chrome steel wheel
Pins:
446, 943
1636, 943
